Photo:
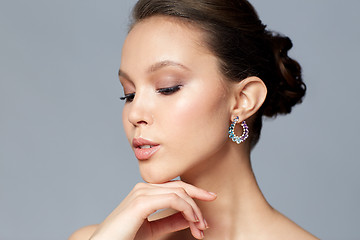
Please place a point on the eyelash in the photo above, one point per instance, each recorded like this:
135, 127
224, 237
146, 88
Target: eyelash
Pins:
169, 90
128, 97
164, 91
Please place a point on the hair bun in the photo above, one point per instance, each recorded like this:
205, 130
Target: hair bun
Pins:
288, 88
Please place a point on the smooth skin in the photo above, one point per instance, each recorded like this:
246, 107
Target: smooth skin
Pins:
177, 98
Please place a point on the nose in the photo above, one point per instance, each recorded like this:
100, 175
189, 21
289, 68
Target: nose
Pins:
140, 110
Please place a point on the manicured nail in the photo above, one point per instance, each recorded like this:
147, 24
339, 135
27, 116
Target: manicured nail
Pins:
206, 224
214, 194
196, 218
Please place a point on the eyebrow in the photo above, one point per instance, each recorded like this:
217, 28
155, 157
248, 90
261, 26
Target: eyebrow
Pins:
166, 63
123, 74
157, 66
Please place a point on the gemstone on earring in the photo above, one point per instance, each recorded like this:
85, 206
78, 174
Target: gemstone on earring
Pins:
233, 136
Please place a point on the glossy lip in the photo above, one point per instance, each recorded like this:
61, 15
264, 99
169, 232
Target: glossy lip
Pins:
146, 153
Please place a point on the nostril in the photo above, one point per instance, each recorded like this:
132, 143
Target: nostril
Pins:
142, 122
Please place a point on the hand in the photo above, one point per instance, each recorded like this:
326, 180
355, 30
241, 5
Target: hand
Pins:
129, 220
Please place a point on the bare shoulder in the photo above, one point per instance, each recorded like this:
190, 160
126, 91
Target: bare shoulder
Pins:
83, 233
287, 229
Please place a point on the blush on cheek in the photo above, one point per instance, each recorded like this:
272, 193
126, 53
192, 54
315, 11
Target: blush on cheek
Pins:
204, 113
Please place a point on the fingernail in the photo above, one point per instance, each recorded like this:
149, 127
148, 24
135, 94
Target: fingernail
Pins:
214, 194
206, 224
196, 218
202, 234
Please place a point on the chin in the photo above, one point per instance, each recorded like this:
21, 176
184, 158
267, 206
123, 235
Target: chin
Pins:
156, 176
155, 179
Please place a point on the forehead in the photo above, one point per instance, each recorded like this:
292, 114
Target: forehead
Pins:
159, 38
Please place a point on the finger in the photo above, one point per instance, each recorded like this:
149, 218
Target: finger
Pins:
196, 232
183, 194
169, 224
155, 189
191, 190
147, 205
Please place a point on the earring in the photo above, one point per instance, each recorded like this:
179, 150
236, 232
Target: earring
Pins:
232, 134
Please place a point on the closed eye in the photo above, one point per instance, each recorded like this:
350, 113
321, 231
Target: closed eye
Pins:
128, 97
169, 90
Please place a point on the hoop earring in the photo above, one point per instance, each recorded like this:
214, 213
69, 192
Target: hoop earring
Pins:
232, 134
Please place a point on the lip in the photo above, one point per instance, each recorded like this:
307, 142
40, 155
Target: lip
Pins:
145, 153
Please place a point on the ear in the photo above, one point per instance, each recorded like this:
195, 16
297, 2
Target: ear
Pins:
249, 95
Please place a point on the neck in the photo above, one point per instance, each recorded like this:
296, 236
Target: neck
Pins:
240, 206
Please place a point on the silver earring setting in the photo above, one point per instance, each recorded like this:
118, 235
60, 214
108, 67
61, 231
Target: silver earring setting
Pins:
232, 134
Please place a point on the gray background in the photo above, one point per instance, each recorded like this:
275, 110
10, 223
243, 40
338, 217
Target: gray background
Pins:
64, 159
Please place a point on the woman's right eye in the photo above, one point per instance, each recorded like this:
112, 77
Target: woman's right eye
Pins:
128, 97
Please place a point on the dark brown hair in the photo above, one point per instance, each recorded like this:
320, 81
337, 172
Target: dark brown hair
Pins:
243, 45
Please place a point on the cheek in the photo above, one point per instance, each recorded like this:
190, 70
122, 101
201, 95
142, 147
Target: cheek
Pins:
199, 122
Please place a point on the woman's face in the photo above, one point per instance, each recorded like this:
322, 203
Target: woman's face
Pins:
177, 102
